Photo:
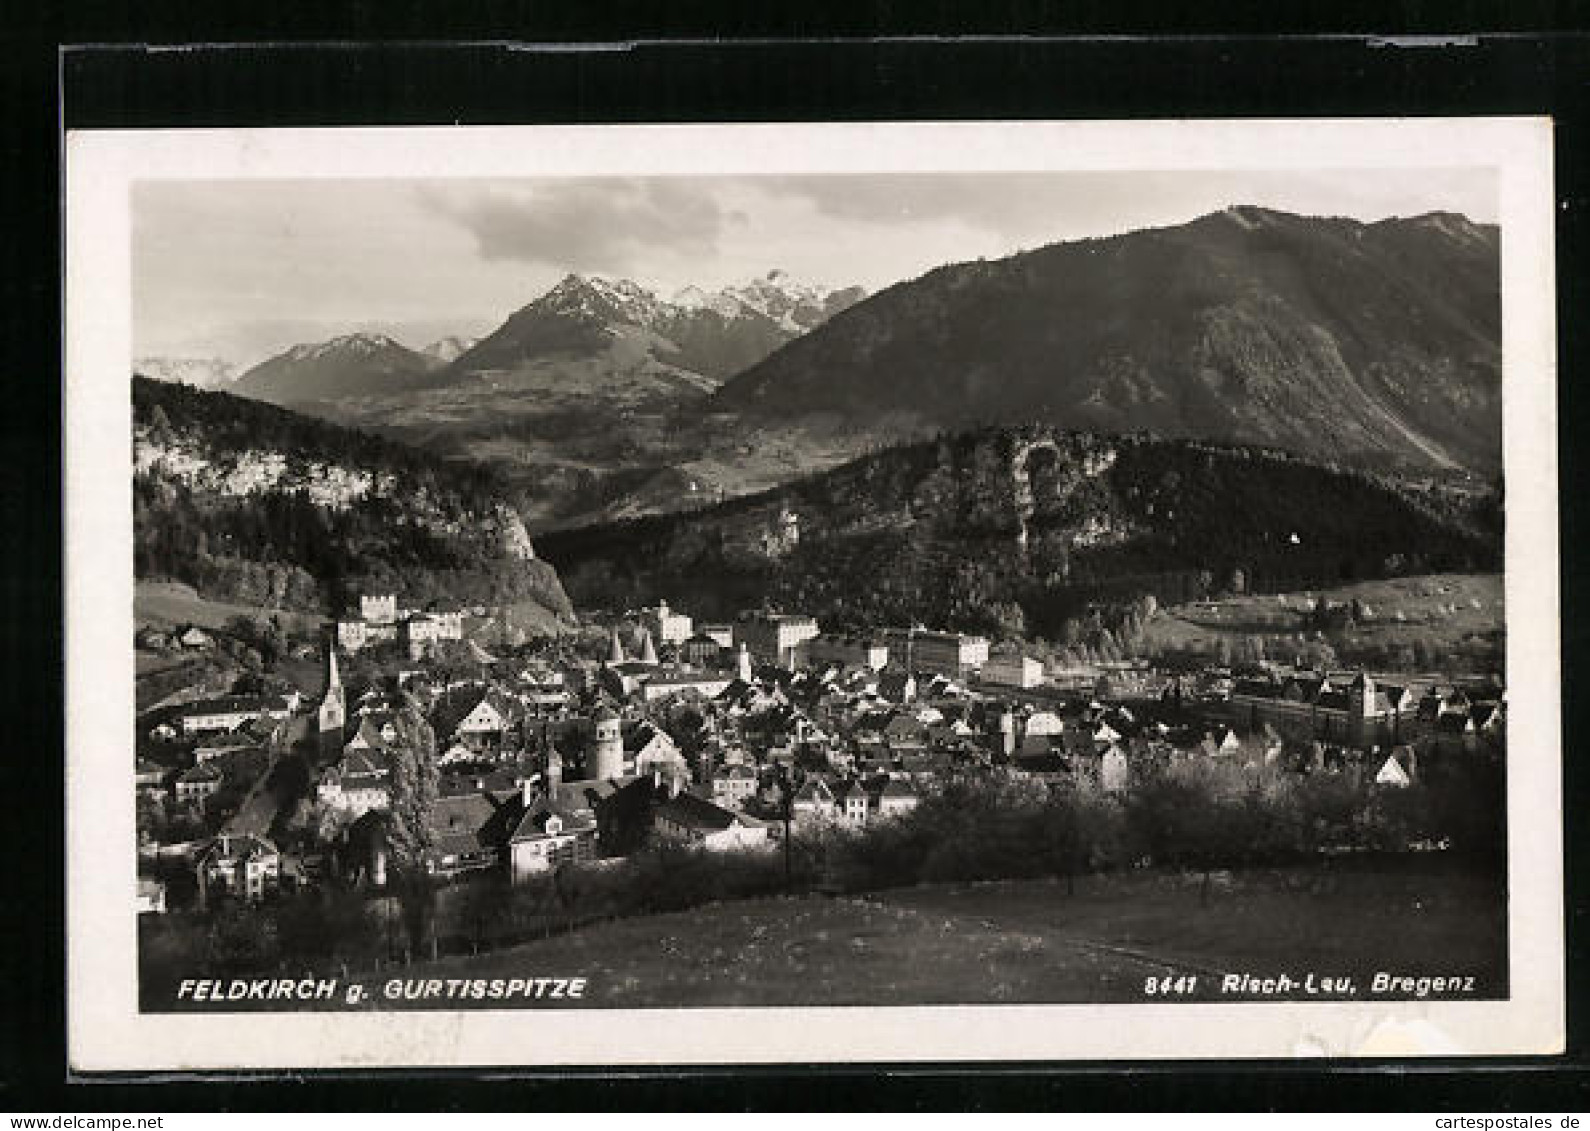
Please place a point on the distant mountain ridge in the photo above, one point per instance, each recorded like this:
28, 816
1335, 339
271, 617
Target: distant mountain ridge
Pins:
1371, 342
351, 365
201, 372
711, 335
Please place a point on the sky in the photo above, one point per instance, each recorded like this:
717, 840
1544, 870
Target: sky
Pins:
243, 269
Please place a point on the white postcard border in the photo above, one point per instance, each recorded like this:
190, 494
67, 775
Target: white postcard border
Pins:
106, 1032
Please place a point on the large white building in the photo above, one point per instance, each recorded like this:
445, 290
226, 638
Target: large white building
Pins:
774, 638
1012, 671
668, 626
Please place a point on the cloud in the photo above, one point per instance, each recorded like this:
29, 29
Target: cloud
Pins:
606, 224
1066, 204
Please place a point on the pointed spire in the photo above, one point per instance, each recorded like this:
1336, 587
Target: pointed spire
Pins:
333, 675
615, 652
648, 651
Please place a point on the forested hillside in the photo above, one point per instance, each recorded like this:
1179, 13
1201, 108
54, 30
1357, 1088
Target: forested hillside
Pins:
1018, 530
256, 504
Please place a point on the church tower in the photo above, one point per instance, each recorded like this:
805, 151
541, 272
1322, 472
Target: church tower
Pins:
333, 704
615, 651
648, 650
608, 750
1361, 709
742, 664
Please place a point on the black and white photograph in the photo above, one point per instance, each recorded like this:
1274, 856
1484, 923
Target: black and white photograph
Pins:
892, 591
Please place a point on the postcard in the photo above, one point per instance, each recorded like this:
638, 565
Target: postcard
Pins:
899, 592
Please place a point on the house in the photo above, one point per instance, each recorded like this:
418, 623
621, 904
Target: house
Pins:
478, 716
223, 745
1044, 723
1221, 741
149, 776
195, 638
905, 734
668, 683
648, 749
198, 782
150, 897
897, 687
359, 782
470, 830
556, 828
852, 803
625, 679
774, 638
814, 803
1393, 773
420, 631
1050, 767
1115, 773
668, 625
1012, 671
688, 819
701, 651
247, 867
228, 712
733, 785
896, 798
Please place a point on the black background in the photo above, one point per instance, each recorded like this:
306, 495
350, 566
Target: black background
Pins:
367, 64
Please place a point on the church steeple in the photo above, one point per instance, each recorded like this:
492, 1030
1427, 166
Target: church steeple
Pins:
333, 705
648, 650
615, 651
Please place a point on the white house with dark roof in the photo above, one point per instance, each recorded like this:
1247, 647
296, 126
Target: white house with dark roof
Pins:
688, 819
551, 833
228, 712
246, 866
733, 784
197, 782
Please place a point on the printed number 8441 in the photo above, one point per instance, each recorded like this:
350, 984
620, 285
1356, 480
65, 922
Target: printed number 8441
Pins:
1171, 985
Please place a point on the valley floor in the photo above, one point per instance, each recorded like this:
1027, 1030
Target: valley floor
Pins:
1030, 941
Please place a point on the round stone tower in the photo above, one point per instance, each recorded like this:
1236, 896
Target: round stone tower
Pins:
608, 749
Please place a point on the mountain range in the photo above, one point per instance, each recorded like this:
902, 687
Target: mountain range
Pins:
585, 336
1377, 343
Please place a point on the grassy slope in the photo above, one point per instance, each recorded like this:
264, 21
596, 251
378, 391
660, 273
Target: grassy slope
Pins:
1027, 941
165, 604
1423, 602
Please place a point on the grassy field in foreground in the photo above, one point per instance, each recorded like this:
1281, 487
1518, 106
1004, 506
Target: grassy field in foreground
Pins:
1029, 941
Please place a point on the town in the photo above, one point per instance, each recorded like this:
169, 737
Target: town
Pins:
558, 755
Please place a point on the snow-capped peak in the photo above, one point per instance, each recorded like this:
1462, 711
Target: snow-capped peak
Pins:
720, 302
449, 348
361, 343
